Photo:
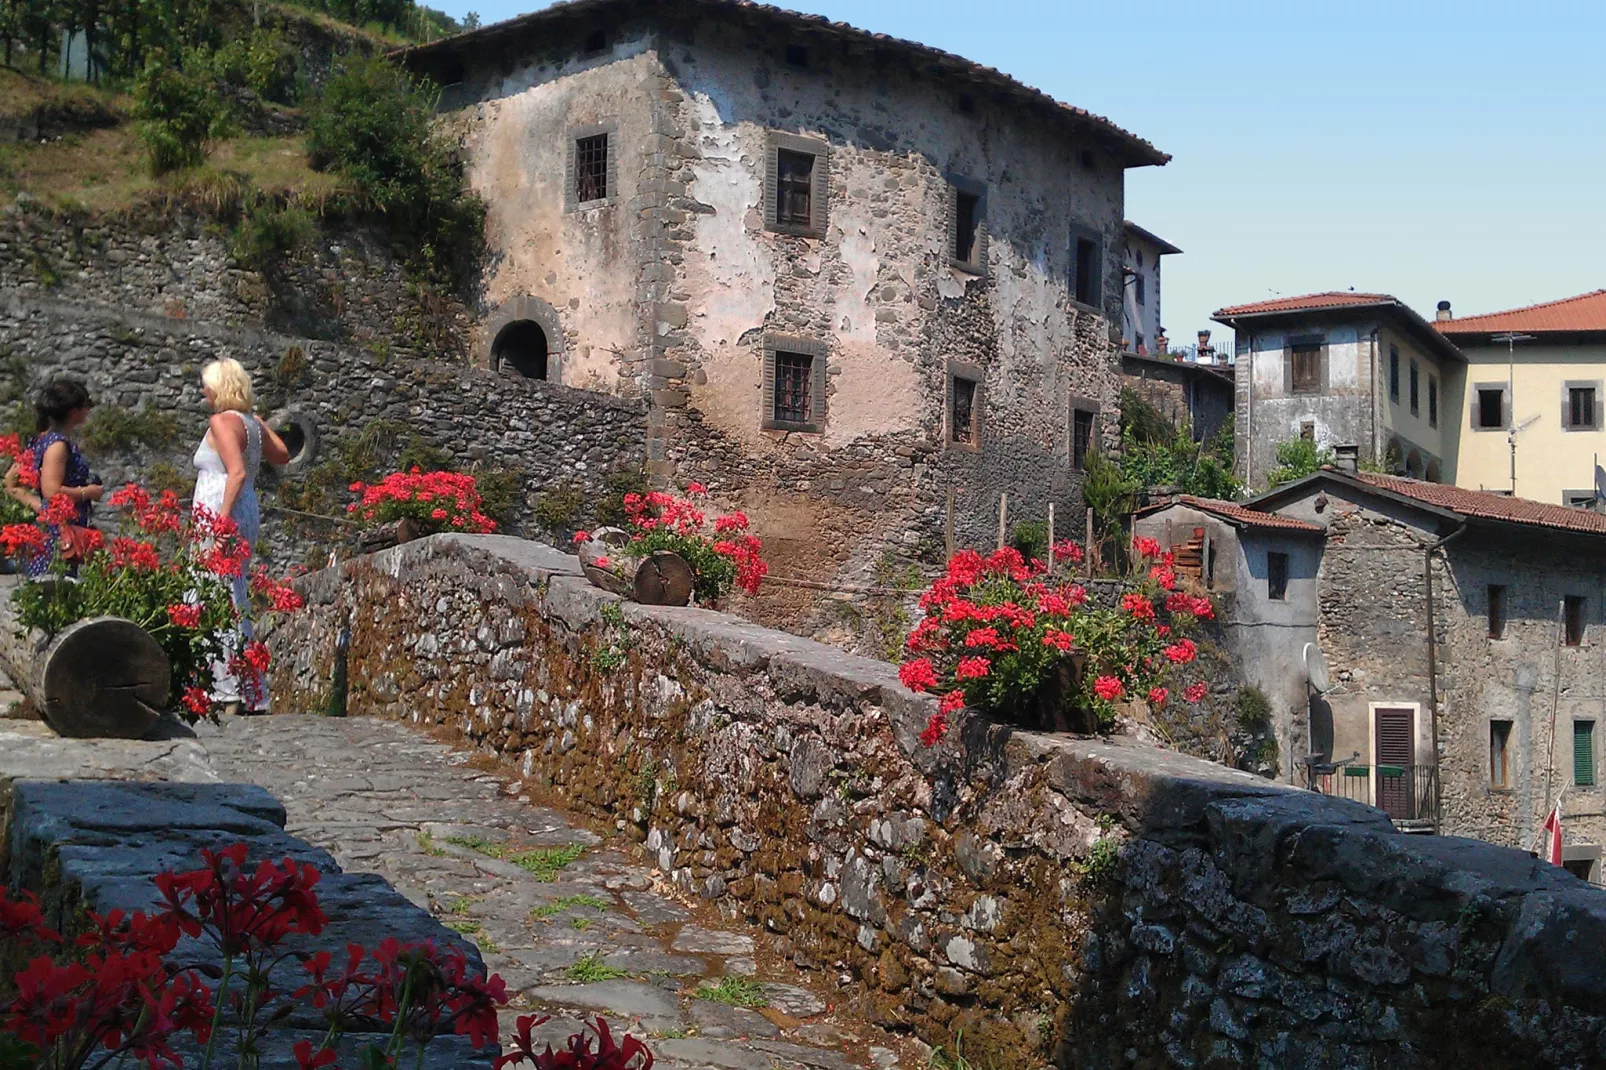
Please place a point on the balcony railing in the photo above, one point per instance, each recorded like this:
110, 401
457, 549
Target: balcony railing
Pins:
1404, 792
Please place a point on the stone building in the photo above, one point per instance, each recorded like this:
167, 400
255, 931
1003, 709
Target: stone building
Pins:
1536, 386
1142, 328
866, 287
1343, 368
1196, 396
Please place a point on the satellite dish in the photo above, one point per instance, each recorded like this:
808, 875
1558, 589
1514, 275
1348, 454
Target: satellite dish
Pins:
1316, 669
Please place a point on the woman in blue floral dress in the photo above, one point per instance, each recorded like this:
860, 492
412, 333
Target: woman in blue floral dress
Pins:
62, 406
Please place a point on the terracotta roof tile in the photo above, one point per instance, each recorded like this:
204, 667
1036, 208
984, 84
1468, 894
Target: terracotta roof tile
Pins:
1586, 312
1237, 514
1138, 151
1306, 302
1477, 503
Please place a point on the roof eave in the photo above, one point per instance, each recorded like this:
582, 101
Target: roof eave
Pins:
1434, 339
1291, 491
1131, 150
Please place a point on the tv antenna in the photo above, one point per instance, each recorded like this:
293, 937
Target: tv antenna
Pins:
1511, 439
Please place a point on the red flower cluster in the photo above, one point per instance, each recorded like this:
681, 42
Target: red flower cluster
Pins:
185, 614
728, 556
998, 634
125, 998
441, 501
579, 1054
26, 464
281, 596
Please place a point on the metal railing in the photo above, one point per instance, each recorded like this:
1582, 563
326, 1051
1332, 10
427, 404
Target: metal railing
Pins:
1404, 792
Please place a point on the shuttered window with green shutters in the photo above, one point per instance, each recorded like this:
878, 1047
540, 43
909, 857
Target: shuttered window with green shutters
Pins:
1584, 753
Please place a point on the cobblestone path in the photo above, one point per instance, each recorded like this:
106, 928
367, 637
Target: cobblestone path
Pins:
573, 924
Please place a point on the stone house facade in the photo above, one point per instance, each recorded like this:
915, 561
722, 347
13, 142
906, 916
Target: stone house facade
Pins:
865, 287
1142, 327
1462, 636
1345, 368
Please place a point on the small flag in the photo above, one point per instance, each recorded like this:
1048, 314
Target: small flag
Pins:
1552, 830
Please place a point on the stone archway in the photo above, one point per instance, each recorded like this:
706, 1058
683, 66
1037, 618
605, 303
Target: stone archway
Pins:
522, 346
524, 338
1433, 473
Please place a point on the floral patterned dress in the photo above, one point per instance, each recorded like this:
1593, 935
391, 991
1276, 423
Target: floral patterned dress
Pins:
77, 475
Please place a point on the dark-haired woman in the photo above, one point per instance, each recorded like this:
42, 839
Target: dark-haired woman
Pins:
62, 407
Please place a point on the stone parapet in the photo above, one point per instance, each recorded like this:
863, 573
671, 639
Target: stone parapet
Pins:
1096, 902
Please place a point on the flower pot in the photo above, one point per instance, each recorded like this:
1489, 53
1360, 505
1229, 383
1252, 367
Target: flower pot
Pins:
658, 579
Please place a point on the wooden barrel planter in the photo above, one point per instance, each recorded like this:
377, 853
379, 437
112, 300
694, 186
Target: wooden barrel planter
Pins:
660, 578
102, 678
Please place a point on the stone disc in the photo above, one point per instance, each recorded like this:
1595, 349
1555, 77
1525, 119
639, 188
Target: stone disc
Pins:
664, 579
104, 677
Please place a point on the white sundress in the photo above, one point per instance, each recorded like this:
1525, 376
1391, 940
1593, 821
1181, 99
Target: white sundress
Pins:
210, 480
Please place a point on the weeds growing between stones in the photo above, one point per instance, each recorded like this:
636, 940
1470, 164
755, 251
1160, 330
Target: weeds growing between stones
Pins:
734, 992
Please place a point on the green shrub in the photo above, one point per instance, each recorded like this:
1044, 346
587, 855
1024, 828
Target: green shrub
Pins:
558, 506
500, 490
111, 428
611, 510
1254, 708
1296, 459
373, 124
270, 231
1030, 537
262, 62
179, 110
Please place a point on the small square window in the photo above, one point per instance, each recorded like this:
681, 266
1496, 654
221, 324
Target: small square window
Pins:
1087, 159
1499, 754
1088, 269
596, 41
967, 104
1394, 373
1581, 408
1433, 401
1081, 437
793, 371
591, 168
797, 56
1276, 576
1497, 611
964, 415
1306, 376
1416, 391
1490, 410
1584, 753
1573, 619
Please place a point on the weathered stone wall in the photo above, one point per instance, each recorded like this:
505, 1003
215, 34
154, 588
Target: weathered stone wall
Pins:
1097, 902
175, 262
368, 408
1187, 394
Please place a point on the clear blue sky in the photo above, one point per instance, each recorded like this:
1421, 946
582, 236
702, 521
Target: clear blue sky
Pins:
1432, 149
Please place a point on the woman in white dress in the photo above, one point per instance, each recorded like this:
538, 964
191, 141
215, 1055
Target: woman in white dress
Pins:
226, 462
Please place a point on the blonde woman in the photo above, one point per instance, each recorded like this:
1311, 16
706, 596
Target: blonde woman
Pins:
226, 462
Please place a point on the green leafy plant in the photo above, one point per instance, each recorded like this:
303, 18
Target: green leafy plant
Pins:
112, 427
620, 483
1296, 459
558, 505
1030, 538
272, 229
735, 992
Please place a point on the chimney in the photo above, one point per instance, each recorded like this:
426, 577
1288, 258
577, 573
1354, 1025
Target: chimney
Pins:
1443, 313
1206, 353
1346, 457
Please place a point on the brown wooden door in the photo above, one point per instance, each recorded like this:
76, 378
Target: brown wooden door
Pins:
1395, 749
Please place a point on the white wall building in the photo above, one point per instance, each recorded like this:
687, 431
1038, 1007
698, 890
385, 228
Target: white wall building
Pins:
1141, 325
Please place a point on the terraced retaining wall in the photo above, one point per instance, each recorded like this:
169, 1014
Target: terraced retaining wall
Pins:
1093, 902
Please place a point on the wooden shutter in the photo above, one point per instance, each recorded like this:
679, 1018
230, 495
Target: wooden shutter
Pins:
817, 389
1395, 751
953, 222
772, 186
1584, 753
767, 418
820, 193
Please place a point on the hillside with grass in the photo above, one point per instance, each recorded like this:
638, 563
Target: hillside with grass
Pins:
273, 121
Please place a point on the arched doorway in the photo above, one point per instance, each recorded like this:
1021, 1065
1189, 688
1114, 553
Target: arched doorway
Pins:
522, 345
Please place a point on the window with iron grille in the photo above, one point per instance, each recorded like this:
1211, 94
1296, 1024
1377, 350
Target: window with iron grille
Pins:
1081, 437
794, 178
794, 375
1306, 360
591, 168
963, 414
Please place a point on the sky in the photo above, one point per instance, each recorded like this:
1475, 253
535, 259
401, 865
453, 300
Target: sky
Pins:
1428, 149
